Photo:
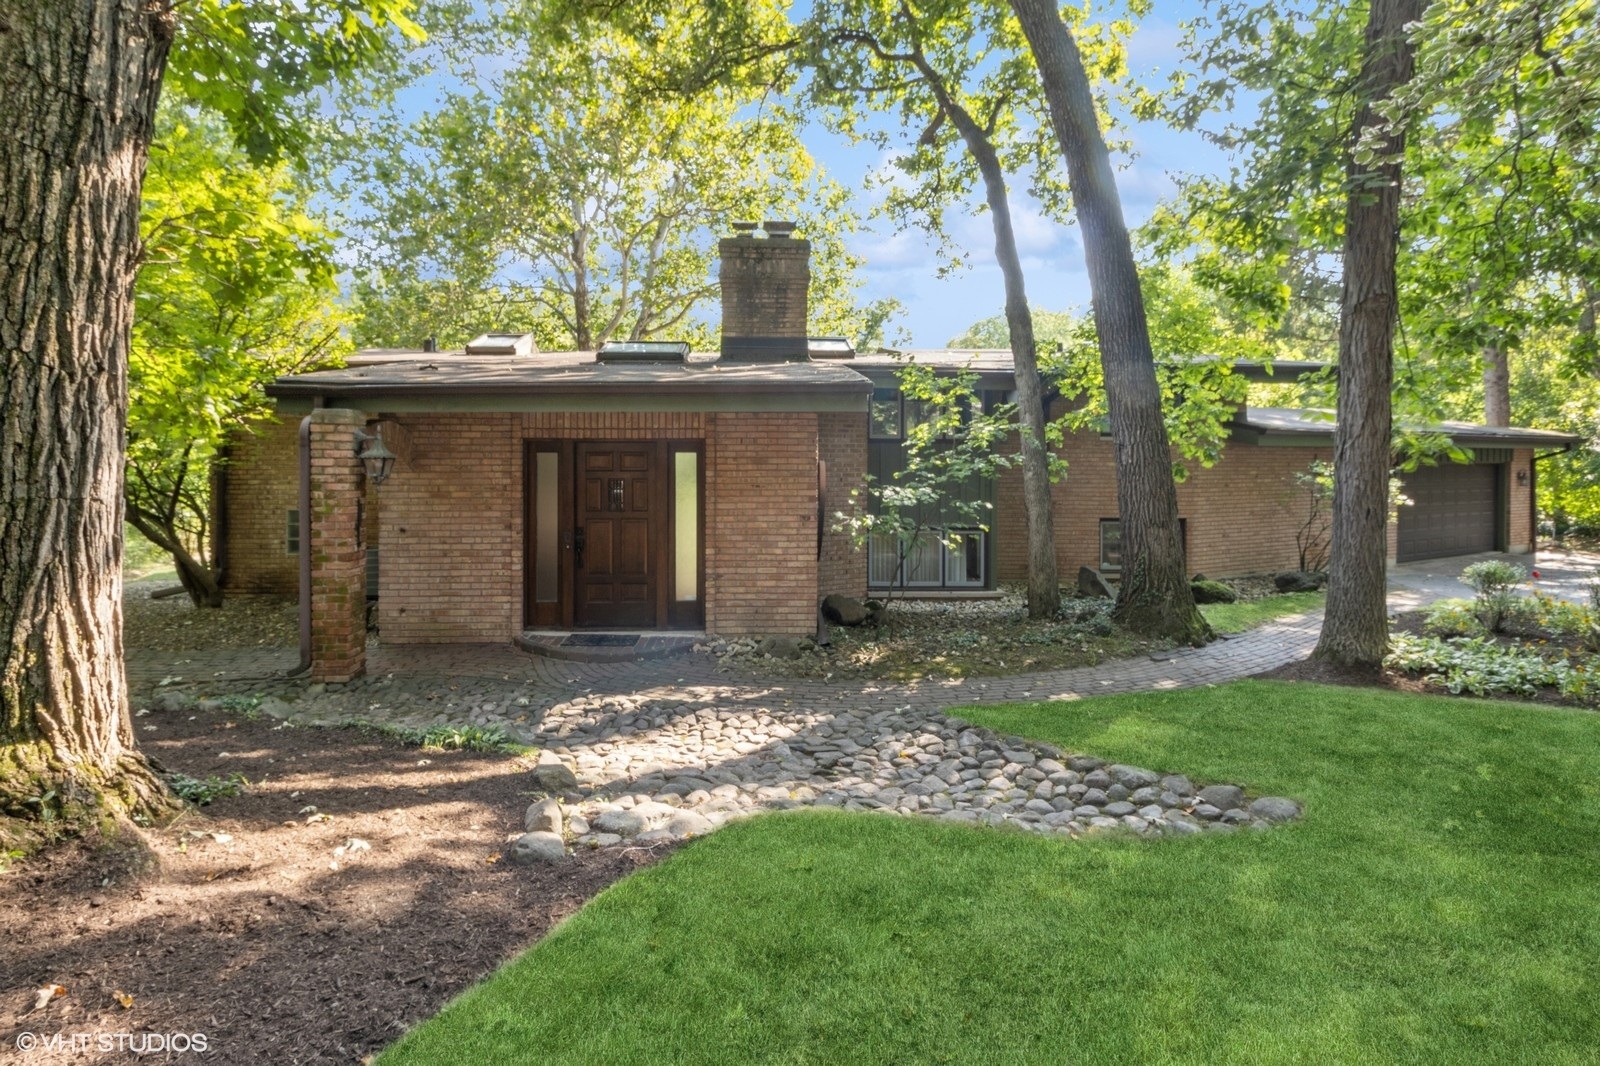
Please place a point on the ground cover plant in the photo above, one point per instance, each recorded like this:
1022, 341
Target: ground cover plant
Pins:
1502, 642
1436, 904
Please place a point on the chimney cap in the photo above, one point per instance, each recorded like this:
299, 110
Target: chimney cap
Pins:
778, 229
745, 229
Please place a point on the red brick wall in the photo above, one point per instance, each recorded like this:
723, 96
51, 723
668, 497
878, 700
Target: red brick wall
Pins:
338, 548
263, 487
1521, 536
842, 444
1241, 514
450, 540
761, 523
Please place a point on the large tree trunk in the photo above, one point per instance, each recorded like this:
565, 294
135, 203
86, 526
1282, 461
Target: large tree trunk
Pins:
80, 80
1496, 386
1154, 597
1356, 631
1044, 585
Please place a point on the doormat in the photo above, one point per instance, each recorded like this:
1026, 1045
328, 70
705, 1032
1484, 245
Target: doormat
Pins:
601, 640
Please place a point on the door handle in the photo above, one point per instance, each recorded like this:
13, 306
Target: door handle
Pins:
577, 546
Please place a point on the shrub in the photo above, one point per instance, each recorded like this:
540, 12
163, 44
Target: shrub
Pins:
1453, 618
1212, 592
1495, 582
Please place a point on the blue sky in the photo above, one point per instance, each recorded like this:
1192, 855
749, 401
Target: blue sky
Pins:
902, 264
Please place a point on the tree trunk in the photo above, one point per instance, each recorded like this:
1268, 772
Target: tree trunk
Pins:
1044, 585
1496, 386
196, 578
1355, 632
80, 81
1154, 598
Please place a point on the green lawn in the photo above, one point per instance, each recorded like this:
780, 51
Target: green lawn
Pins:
1440, 903
1238, 617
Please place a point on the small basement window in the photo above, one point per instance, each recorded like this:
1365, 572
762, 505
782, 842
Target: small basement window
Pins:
291, 539
1111, 542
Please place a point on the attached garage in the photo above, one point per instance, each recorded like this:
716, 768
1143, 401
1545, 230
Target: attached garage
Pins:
1455, 510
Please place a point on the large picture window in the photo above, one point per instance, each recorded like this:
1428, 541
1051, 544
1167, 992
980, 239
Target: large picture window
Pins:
954, 558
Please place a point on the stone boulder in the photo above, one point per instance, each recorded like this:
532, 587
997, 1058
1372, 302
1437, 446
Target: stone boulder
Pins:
1275, 809
1212, 592
1223, 797
1298, 581
531, 849
552, 774
1090, 583
780, 647
844, 610
543, 817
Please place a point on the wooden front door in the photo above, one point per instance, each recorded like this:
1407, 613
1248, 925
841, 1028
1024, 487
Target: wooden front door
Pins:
614, 536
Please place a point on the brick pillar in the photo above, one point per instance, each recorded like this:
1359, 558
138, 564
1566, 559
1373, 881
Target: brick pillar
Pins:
338, 547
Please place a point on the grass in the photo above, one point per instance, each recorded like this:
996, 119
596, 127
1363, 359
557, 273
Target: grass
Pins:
1438, 904
1238, 617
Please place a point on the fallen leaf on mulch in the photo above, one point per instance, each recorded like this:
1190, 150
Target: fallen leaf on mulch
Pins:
43, 996
124, 999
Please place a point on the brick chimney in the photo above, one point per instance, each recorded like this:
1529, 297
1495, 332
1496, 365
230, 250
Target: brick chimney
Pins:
765, 284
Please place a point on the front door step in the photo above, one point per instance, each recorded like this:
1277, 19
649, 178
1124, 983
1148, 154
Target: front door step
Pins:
607, 647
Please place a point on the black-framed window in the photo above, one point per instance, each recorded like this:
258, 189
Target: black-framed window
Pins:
1111, 542
892, 415
950, 558
885, 420
291, 539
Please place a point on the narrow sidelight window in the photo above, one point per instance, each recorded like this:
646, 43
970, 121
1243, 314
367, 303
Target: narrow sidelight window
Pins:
546, 521
291, 540
686, 525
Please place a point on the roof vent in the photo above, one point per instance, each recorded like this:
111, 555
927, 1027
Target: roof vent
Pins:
643, 352
830, 348
502, 344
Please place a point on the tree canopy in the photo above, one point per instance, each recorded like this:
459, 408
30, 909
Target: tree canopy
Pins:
558, 191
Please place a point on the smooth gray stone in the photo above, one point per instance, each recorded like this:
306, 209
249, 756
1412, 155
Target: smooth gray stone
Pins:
1224, 797
1275, 809
543, 817
1132, 776
531, 849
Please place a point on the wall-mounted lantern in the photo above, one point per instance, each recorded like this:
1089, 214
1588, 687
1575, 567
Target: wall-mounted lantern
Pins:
377, 458
1522, 477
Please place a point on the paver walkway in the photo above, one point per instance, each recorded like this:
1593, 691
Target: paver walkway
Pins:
672, 747
490, 667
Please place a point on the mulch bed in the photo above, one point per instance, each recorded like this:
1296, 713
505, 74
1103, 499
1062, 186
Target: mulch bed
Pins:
176, 624
240, 920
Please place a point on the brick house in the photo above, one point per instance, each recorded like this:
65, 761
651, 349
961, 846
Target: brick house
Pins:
647, 488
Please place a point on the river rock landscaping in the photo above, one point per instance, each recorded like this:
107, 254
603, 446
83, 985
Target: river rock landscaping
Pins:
654, 770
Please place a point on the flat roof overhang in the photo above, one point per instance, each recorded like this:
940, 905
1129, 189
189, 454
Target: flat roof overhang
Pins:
298, 396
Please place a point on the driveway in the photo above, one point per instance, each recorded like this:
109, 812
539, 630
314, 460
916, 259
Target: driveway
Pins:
1563, 574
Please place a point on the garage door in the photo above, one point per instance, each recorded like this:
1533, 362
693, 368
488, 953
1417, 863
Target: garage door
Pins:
1452, 511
